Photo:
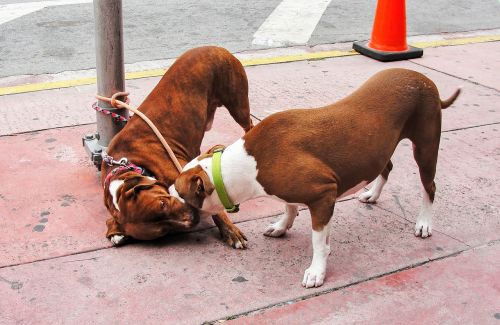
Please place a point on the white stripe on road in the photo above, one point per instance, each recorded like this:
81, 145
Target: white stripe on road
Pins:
291, 23
13, 11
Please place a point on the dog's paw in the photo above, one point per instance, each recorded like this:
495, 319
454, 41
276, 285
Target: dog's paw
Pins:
234, 237
313, 277
368, 197
118, 240
423, 229
276, 229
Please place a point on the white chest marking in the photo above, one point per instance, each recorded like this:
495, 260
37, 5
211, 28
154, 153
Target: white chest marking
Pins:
239, 173
114, 186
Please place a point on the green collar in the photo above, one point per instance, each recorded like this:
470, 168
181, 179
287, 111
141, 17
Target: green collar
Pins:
219, 183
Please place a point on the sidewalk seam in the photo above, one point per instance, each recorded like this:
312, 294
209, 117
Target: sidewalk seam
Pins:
46, 129
253, 116
412, 221
178, 234
454, 76
375, 277
470, 127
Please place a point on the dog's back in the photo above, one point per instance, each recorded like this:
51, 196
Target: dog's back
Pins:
368, 124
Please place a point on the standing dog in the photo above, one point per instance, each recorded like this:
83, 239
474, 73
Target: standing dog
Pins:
182, 106
314, 156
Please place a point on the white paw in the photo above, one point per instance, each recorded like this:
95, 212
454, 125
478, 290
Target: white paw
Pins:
313, 277
368, 197
423, 229
117, 240
241, 245
276, 229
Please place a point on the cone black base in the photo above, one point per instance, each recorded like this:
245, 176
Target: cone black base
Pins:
384, 56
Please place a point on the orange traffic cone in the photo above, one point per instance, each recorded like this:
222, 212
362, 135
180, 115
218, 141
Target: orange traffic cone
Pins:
388, 42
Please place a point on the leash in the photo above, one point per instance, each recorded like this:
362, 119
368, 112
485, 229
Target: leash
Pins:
219, 183
119, 105
116, 117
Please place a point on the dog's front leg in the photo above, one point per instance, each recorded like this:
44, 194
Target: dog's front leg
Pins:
115, 233
321, 214
229, 232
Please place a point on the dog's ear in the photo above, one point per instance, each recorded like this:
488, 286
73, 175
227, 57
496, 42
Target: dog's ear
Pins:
201, 184
141, 187
134, 184
133, 192
193, 186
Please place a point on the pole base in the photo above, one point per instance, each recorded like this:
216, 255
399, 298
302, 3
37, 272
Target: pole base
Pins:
384, 56
94, 150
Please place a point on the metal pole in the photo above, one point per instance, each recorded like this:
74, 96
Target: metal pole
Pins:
110, 73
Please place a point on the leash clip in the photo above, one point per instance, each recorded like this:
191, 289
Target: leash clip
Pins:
111, 162
122, 162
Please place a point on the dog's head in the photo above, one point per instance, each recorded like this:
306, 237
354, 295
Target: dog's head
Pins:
142, 208
194, 186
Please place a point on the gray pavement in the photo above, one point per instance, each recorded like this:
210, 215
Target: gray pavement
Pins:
61, 38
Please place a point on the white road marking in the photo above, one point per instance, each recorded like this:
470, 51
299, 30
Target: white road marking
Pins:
13, 11
291, 23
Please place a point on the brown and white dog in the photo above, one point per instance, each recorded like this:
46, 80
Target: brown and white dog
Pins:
313, 157
182, 106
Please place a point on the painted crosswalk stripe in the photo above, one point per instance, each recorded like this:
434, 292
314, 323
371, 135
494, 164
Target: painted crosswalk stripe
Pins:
291, 23
13, 11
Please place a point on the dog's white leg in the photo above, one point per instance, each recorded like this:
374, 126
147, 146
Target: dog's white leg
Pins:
373, 193
315, 274
423, 226
328, 239
280, 227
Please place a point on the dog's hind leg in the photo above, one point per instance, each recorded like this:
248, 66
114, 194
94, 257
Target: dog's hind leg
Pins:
285, 222
426, 160
239, 108
425, 151
372, 195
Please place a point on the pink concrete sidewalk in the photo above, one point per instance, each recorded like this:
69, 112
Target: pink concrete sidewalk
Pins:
57, 267
461, 289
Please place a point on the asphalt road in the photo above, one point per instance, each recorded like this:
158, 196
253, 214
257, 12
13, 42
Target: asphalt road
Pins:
61, 38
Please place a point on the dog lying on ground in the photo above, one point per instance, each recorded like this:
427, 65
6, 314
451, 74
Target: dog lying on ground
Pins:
313, 157
182, 106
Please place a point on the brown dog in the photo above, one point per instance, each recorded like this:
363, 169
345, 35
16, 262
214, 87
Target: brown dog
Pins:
182, 106
314, 156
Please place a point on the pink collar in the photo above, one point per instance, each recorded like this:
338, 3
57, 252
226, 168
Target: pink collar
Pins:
123, 166
119, 169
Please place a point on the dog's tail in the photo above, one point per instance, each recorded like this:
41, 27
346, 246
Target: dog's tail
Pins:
449, 101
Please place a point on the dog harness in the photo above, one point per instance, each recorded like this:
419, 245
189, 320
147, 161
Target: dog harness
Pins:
219, 183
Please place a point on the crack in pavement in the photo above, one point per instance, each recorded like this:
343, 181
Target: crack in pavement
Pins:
374, 277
